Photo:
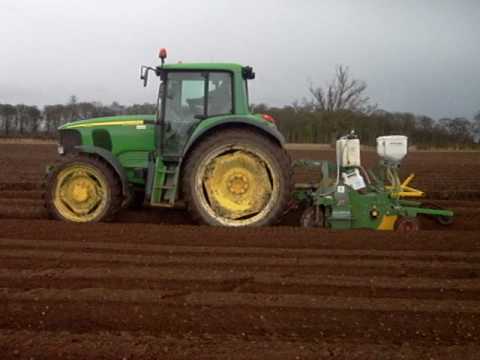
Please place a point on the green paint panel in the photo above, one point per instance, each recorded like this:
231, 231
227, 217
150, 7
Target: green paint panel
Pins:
134, 159
362, 204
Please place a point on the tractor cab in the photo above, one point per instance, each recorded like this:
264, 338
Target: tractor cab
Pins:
191, 93
190, 97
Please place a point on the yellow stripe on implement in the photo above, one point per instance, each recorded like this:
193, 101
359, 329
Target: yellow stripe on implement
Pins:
388, 222
109, 123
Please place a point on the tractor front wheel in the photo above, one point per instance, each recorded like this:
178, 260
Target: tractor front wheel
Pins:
82, 189
237, 178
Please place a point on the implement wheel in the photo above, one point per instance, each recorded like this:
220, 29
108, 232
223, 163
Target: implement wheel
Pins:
237, 178
407, 224
82, 189
312, 218
444, 220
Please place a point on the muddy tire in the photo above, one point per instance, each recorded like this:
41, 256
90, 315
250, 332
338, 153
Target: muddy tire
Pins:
237, 177
82, 188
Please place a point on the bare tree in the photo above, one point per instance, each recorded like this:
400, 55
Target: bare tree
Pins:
343, 93
7, 113
72, 108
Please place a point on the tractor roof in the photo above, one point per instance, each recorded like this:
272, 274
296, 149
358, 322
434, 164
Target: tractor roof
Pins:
204, 66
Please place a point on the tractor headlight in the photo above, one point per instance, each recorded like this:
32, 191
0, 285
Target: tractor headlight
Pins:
60, 150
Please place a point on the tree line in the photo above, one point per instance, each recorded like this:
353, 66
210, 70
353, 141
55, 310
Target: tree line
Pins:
333, 110
23, 120
302, 124
342, 105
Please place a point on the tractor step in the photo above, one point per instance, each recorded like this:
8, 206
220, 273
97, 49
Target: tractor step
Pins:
165, 179
167, 187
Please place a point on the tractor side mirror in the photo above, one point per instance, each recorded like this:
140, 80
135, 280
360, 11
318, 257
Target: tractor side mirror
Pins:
248, 73
144, 70
144, 75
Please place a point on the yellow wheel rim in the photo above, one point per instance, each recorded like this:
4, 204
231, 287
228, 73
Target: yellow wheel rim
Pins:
238, 187
81, 193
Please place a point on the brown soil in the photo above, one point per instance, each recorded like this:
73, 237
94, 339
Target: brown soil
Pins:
152, 285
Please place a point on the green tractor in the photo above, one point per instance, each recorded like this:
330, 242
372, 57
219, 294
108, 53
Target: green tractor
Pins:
204, 149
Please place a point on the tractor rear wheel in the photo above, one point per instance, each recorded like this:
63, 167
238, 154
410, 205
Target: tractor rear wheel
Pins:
82, 189
237, 177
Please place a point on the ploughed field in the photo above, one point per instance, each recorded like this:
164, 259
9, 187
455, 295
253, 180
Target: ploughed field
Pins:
152, 285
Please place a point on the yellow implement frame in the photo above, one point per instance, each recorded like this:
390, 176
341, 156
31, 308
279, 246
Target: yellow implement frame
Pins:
402, 189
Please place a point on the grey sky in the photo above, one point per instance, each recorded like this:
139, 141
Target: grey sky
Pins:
421, 56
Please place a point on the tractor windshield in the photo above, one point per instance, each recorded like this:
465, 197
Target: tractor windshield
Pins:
192, 96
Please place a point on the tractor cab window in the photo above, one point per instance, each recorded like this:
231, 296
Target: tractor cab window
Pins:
185, 100
190, 97
219, 94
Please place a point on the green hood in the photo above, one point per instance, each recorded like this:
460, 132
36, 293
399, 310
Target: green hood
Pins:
109, 121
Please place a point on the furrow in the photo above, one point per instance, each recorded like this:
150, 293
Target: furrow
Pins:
274, 278
235, 260
231, 250
229, 299
241, 281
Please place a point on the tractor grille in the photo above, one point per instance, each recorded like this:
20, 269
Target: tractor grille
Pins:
69, 139
102, 139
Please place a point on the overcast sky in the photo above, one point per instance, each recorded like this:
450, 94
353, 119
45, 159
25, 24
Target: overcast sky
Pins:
421, 56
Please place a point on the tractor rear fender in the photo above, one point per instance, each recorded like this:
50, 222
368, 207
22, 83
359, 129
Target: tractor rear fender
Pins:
108, 157
218, 124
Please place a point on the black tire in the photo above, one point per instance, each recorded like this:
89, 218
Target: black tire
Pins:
273, 155
113, 197
444, 220
407, 225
